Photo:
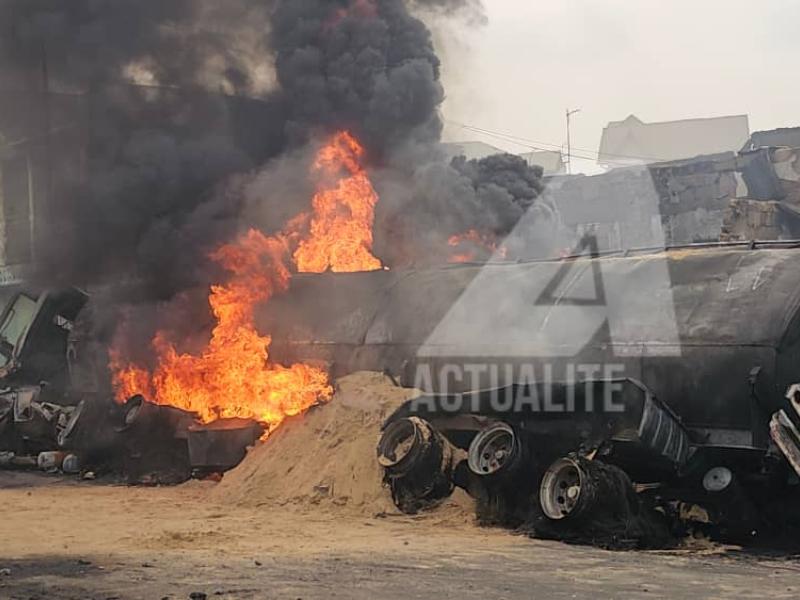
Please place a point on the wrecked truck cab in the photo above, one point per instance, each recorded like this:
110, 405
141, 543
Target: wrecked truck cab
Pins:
36, 400
34, 331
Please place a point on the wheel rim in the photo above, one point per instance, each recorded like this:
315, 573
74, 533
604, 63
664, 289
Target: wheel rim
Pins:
717, 479
492, 450
398, 443
561, 489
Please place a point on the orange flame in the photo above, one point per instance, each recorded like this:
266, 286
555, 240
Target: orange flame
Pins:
472, 244
232, 376
343, 213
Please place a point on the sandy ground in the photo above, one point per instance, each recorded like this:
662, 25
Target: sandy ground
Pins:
306, 516
61, 539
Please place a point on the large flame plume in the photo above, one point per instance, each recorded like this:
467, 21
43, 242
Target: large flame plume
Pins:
233, 376
343, 213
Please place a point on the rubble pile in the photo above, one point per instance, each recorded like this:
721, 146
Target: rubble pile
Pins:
751, 219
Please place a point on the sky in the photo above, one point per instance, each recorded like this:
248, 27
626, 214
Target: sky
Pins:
656, 59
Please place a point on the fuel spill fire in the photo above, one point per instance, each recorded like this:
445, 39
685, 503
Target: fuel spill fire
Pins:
233, 375
472, 244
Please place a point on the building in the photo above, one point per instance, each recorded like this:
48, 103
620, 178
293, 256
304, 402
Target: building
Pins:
65, 158
774, 138
470, 150
551, 161
634, 142
42, 149
729, 196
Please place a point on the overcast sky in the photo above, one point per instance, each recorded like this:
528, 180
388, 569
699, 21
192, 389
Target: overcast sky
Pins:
658, 60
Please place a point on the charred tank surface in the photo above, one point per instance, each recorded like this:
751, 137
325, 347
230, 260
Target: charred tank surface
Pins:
713, 332
702, 342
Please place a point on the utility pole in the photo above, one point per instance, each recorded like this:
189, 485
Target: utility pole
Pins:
569, 140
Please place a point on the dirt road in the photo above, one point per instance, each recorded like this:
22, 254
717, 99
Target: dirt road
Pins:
69, 540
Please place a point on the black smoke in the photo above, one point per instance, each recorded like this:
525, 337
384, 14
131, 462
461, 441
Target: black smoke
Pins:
194, 43
442, 199
136, 113
471, 10
370, 68
146, 117
505, 185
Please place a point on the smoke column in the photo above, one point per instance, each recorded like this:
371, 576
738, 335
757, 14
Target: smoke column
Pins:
198, 116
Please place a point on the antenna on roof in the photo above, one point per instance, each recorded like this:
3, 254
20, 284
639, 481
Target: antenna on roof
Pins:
569, 140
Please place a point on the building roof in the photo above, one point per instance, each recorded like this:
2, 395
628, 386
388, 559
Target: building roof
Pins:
551, 161
470, 150
633, 141
785, 136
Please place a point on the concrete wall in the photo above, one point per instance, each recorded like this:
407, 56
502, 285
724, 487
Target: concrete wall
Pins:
752, 220
684, 202
786, 162
664, 204
693, 197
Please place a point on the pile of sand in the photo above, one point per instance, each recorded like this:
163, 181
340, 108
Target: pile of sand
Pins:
327, 458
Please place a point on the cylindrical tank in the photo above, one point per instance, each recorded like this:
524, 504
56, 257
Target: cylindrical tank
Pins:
714, 332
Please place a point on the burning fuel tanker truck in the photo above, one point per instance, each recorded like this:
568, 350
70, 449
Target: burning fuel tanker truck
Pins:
617, 398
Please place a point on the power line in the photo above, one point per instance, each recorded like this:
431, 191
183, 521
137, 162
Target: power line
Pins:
518, 139
507, 135
514, 140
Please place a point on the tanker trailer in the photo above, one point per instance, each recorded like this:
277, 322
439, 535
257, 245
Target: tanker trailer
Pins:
662, 375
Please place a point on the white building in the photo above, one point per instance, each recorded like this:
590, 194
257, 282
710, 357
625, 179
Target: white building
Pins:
634, 142
551, 161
